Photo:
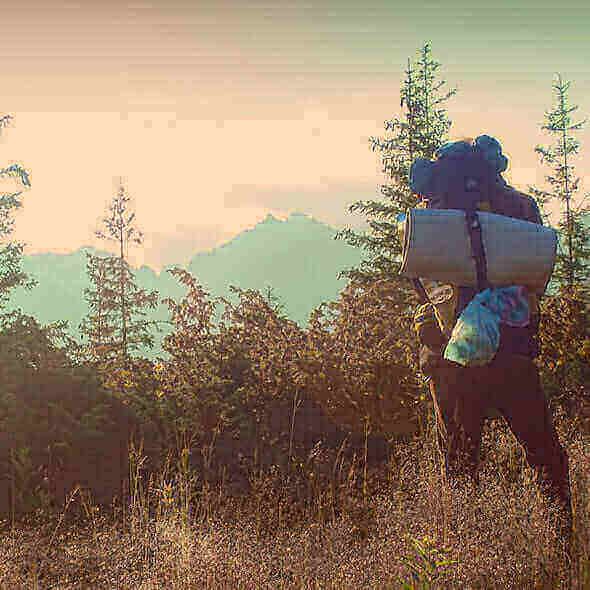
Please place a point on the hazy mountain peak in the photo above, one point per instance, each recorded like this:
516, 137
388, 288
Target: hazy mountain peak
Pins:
297, 256
270, 218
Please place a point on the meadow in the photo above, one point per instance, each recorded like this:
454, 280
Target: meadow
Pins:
327, 520
262, 455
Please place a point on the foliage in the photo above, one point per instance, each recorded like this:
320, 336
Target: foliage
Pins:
110, 327
564, 336
426, 565
24, 343
572, 265
197, 394
419, 136
52, 414
137, 384
190, 390
99, 326
360, 366
108, 337
272, 347
249, 377
11, 275
228, 378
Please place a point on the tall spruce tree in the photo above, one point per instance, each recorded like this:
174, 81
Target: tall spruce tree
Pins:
572, 266
420, 135
11, 275
99, 326
116, 299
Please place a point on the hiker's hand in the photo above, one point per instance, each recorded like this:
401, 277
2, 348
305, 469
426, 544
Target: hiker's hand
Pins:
427, 327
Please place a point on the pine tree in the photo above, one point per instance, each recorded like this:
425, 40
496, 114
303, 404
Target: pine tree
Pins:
419, 136
100, 324
11, 275
564, 331
116, 298
572, 266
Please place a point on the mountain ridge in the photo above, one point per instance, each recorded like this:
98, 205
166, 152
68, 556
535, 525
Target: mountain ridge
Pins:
297, 257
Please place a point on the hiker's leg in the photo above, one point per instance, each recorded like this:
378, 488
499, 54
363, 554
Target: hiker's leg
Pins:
528, 413
459, 421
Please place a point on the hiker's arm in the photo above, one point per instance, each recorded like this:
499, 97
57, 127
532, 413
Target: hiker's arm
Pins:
427, 328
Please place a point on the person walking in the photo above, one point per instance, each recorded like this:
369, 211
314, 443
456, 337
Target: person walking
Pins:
467, 175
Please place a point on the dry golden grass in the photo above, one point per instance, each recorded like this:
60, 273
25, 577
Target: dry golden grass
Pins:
317, 527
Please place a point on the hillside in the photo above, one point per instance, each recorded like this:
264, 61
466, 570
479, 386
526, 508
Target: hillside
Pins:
298, 257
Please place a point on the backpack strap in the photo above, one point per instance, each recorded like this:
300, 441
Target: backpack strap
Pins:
477, 249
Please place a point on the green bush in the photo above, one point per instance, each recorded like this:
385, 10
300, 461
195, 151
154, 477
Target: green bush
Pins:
56, 420
564, 360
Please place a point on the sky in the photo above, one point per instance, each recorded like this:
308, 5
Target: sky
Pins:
216, 113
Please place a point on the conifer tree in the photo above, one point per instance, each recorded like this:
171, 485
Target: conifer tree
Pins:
116, 298
420, 135
11, 275
99, 326
572, 266
564, 331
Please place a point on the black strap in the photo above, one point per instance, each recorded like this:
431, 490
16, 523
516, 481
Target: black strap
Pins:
477, 249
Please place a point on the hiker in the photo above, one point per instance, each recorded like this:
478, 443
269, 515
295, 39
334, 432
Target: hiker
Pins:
467, 175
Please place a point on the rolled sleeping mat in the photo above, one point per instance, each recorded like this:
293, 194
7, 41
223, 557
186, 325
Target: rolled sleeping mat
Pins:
437, 246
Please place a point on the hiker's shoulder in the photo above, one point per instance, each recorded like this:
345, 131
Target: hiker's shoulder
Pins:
524, 202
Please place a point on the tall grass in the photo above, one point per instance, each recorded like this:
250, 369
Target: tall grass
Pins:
327, 519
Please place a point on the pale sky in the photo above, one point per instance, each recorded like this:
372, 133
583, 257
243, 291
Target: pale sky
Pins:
218, 113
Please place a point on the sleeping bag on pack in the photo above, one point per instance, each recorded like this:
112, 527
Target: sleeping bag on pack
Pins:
437, 246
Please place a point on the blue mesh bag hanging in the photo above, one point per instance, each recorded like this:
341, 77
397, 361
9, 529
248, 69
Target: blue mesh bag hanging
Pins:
476, 336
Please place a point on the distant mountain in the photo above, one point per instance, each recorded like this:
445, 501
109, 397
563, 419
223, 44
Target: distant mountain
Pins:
298, 257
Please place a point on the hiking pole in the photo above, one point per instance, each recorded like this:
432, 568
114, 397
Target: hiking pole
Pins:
420, 290
423, 296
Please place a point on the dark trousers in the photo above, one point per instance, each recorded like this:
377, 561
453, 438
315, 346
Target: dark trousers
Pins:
462, 398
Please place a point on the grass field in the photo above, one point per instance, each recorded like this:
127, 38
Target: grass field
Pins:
326, 522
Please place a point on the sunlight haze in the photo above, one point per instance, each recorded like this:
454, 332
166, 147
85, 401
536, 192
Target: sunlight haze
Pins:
218, 113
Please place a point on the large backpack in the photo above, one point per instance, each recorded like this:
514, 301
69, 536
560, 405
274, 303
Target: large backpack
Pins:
467, 177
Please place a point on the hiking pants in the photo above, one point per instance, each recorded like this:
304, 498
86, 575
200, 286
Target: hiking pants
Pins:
462, 398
